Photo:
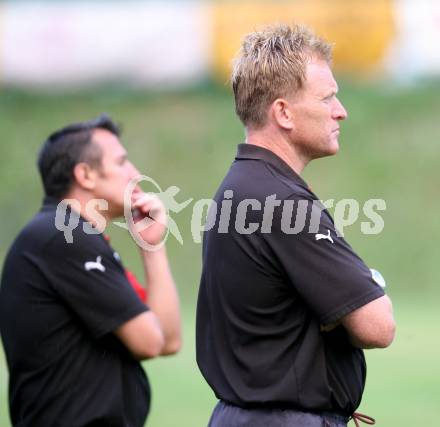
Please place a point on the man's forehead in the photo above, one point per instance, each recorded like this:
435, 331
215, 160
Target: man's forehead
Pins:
319, 76
108, 141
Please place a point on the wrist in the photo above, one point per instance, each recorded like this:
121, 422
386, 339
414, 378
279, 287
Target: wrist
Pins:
148, 255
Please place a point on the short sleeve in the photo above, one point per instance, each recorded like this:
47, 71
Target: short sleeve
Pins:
320, 264
89, 279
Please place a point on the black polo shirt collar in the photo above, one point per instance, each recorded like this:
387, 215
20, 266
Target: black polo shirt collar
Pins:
50, 201
255, 152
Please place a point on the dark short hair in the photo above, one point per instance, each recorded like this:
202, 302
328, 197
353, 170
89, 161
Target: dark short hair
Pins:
67, 147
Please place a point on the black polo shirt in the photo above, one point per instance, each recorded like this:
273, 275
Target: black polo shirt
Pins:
59, 303
268, 287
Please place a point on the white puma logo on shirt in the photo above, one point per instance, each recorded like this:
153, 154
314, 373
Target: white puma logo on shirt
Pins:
94, 265
327, 236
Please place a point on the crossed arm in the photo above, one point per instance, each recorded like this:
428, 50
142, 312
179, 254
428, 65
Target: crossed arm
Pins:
372, 325
157, 331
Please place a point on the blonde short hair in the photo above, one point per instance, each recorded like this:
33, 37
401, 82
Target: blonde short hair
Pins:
271, 64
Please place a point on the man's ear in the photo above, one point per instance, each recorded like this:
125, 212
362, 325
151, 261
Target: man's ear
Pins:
282, 113
85, 176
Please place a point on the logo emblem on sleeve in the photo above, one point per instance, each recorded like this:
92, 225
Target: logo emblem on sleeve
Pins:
327, 236
378, 278
95, 265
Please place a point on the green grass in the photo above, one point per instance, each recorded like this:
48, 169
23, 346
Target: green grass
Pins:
389, 150
402, 381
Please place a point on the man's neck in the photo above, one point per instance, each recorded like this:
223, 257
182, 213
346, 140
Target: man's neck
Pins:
88, 214
279, 146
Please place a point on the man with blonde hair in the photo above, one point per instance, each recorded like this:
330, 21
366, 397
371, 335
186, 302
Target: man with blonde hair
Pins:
285, 306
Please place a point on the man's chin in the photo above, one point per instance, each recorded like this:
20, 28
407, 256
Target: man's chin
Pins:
116, 212
333, 148
329, 151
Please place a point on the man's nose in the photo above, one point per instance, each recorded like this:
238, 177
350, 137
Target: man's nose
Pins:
134, 170
134, 173
339, 112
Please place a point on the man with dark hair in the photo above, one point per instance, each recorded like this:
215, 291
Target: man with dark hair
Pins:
284, 311
74, 323
65, 148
